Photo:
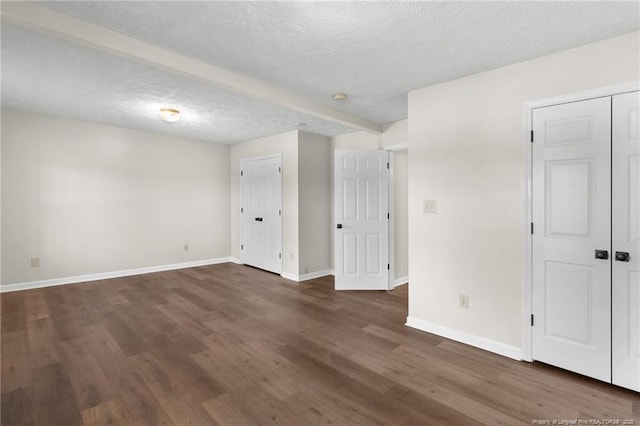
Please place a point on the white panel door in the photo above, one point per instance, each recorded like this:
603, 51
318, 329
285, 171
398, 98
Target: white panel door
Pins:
572, 237
362, 221
626, 240
261, 213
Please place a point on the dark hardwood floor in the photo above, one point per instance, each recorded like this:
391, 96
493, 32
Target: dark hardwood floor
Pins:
232, 345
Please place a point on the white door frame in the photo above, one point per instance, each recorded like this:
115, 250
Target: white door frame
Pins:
392, 241
266, 157
527, 241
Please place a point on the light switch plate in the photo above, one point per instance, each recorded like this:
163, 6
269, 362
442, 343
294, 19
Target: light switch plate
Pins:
430, 206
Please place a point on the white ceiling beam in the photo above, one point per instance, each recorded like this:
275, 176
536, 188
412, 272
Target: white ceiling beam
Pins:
45, 20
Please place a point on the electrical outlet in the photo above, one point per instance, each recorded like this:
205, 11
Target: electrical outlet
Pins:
429, 206
35, 262
463, 301
186, 247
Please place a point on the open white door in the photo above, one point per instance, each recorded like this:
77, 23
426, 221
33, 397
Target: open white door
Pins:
361, 220
261, 213
571, 237
626, 241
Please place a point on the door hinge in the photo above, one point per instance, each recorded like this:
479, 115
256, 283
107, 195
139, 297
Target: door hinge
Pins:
279, 169
387, 216
532, 227
532, 136
387, 166
241, 173
241, 246
279, 212
241, 210
531, 320
279, 255
388, 266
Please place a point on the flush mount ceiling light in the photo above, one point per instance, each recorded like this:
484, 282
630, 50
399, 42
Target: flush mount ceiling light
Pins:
340, 97
170, 115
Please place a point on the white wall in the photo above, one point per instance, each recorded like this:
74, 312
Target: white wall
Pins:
356, 140
88, 198
314, 196
394, 134
465, 146
287, 145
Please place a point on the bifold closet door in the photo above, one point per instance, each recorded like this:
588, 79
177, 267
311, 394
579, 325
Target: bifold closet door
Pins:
261, 213
571, 262
626, 240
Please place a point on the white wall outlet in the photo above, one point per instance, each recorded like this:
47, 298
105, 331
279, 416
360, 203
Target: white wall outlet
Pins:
186, 247
35, 262
429, 206
463, 301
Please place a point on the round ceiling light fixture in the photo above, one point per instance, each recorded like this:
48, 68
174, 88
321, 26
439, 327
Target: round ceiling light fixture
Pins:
340, 97
170, 115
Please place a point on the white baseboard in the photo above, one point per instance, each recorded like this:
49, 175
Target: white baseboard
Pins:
459, 336
400, 281
305, 277
106, 275
288, 276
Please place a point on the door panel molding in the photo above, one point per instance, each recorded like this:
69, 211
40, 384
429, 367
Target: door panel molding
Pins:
527, 158
362, 220
572, 216
625, 238
630, 314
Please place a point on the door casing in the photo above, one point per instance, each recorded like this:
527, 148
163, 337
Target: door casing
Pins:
527, 157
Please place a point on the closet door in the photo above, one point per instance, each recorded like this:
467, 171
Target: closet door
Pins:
261, 213
571, 262
626, 241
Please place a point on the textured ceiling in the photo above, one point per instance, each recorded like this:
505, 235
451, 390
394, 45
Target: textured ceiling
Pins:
51, 76
374, 51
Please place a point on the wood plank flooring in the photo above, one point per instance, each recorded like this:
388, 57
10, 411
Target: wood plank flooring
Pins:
232, 345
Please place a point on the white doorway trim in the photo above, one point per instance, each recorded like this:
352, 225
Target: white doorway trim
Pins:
392, 238
528, 107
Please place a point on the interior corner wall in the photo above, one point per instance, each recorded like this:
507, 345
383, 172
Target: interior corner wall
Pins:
466, 141
394, 134
314, 172
287, 145
87, 198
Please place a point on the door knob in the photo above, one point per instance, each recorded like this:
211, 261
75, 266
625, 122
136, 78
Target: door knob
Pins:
258, 219
602, 254
622, 256
339, 226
